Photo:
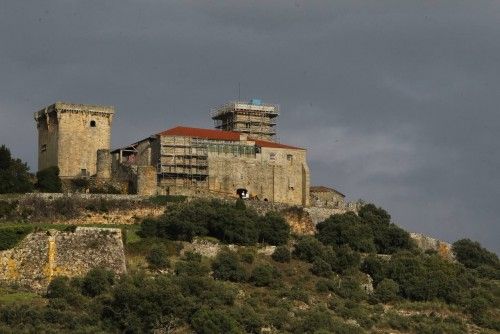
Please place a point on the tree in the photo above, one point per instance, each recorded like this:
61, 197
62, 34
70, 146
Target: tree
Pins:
14, 174
48, 180
346, 229
97, 281
281, 254
158, 257
387, 290
226, 266
206, 321
263, 275
472, 255
273, 229
308, 248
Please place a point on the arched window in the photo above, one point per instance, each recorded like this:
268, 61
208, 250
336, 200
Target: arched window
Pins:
92, 124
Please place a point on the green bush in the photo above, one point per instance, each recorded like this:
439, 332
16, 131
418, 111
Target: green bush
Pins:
11, 236
191, 266
8, 209
472, 255
263, 275
14, 174
206, 321
321, 268
48, 180
387, 290
226, 266
217, 219
247, 256
281, 254
158, 257
308, 248
375, 267
273, 229
346, 229
350, 288
343, 259
325, 285
97, 281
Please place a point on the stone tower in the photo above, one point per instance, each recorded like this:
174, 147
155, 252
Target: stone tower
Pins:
254, 118
70, 136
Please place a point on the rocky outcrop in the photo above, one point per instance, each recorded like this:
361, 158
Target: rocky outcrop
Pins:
427, 243
43, 255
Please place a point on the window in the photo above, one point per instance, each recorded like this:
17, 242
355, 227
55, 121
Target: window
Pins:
272, 156
92, 124
84, 172
44, 148
289, 157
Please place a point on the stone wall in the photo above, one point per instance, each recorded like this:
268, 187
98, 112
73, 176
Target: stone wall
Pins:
42, 256
426, 243
146, 181
270, 176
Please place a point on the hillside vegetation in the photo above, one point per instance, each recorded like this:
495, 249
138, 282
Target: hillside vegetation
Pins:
358, 274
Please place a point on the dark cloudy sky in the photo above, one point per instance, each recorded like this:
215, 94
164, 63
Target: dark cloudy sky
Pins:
397, 101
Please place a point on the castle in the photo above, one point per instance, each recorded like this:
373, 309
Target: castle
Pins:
240, 157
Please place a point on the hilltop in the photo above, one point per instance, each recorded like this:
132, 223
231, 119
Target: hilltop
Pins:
212, 266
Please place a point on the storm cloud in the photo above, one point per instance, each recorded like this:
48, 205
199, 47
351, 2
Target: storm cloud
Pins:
396, 101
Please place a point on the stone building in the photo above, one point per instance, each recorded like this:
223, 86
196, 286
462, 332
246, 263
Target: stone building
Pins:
193, 160
73, 136
326, 197
238, 158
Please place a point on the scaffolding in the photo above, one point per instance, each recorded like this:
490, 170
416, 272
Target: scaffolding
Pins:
184, 160
258, 120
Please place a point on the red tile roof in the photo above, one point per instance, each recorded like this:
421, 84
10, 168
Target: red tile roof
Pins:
219, 135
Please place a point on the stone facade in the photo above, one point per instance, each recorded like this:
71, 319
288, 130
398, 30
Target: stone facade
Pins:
325, 197
190, 161
70, 135
42, 256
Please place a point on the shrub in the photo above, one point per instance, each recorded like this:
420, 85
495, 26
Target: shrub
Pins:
226, 266
343, 259
191, 266
350, 288
387, 290
375, 267
281, 254
97, 281
472, 255
273, 229
7, 209
157, 257
48, 180
308, 248
66, 207
346, 229
321, 268
240, 204
80, 183
14, 174
58, 287
207, 321
263, 275
325, 285
247, 256
11, 236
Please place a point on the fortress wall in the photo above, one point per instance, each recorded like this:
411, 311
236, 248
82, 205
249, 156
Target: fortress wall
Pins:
42, 256
78, 142
275, 180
